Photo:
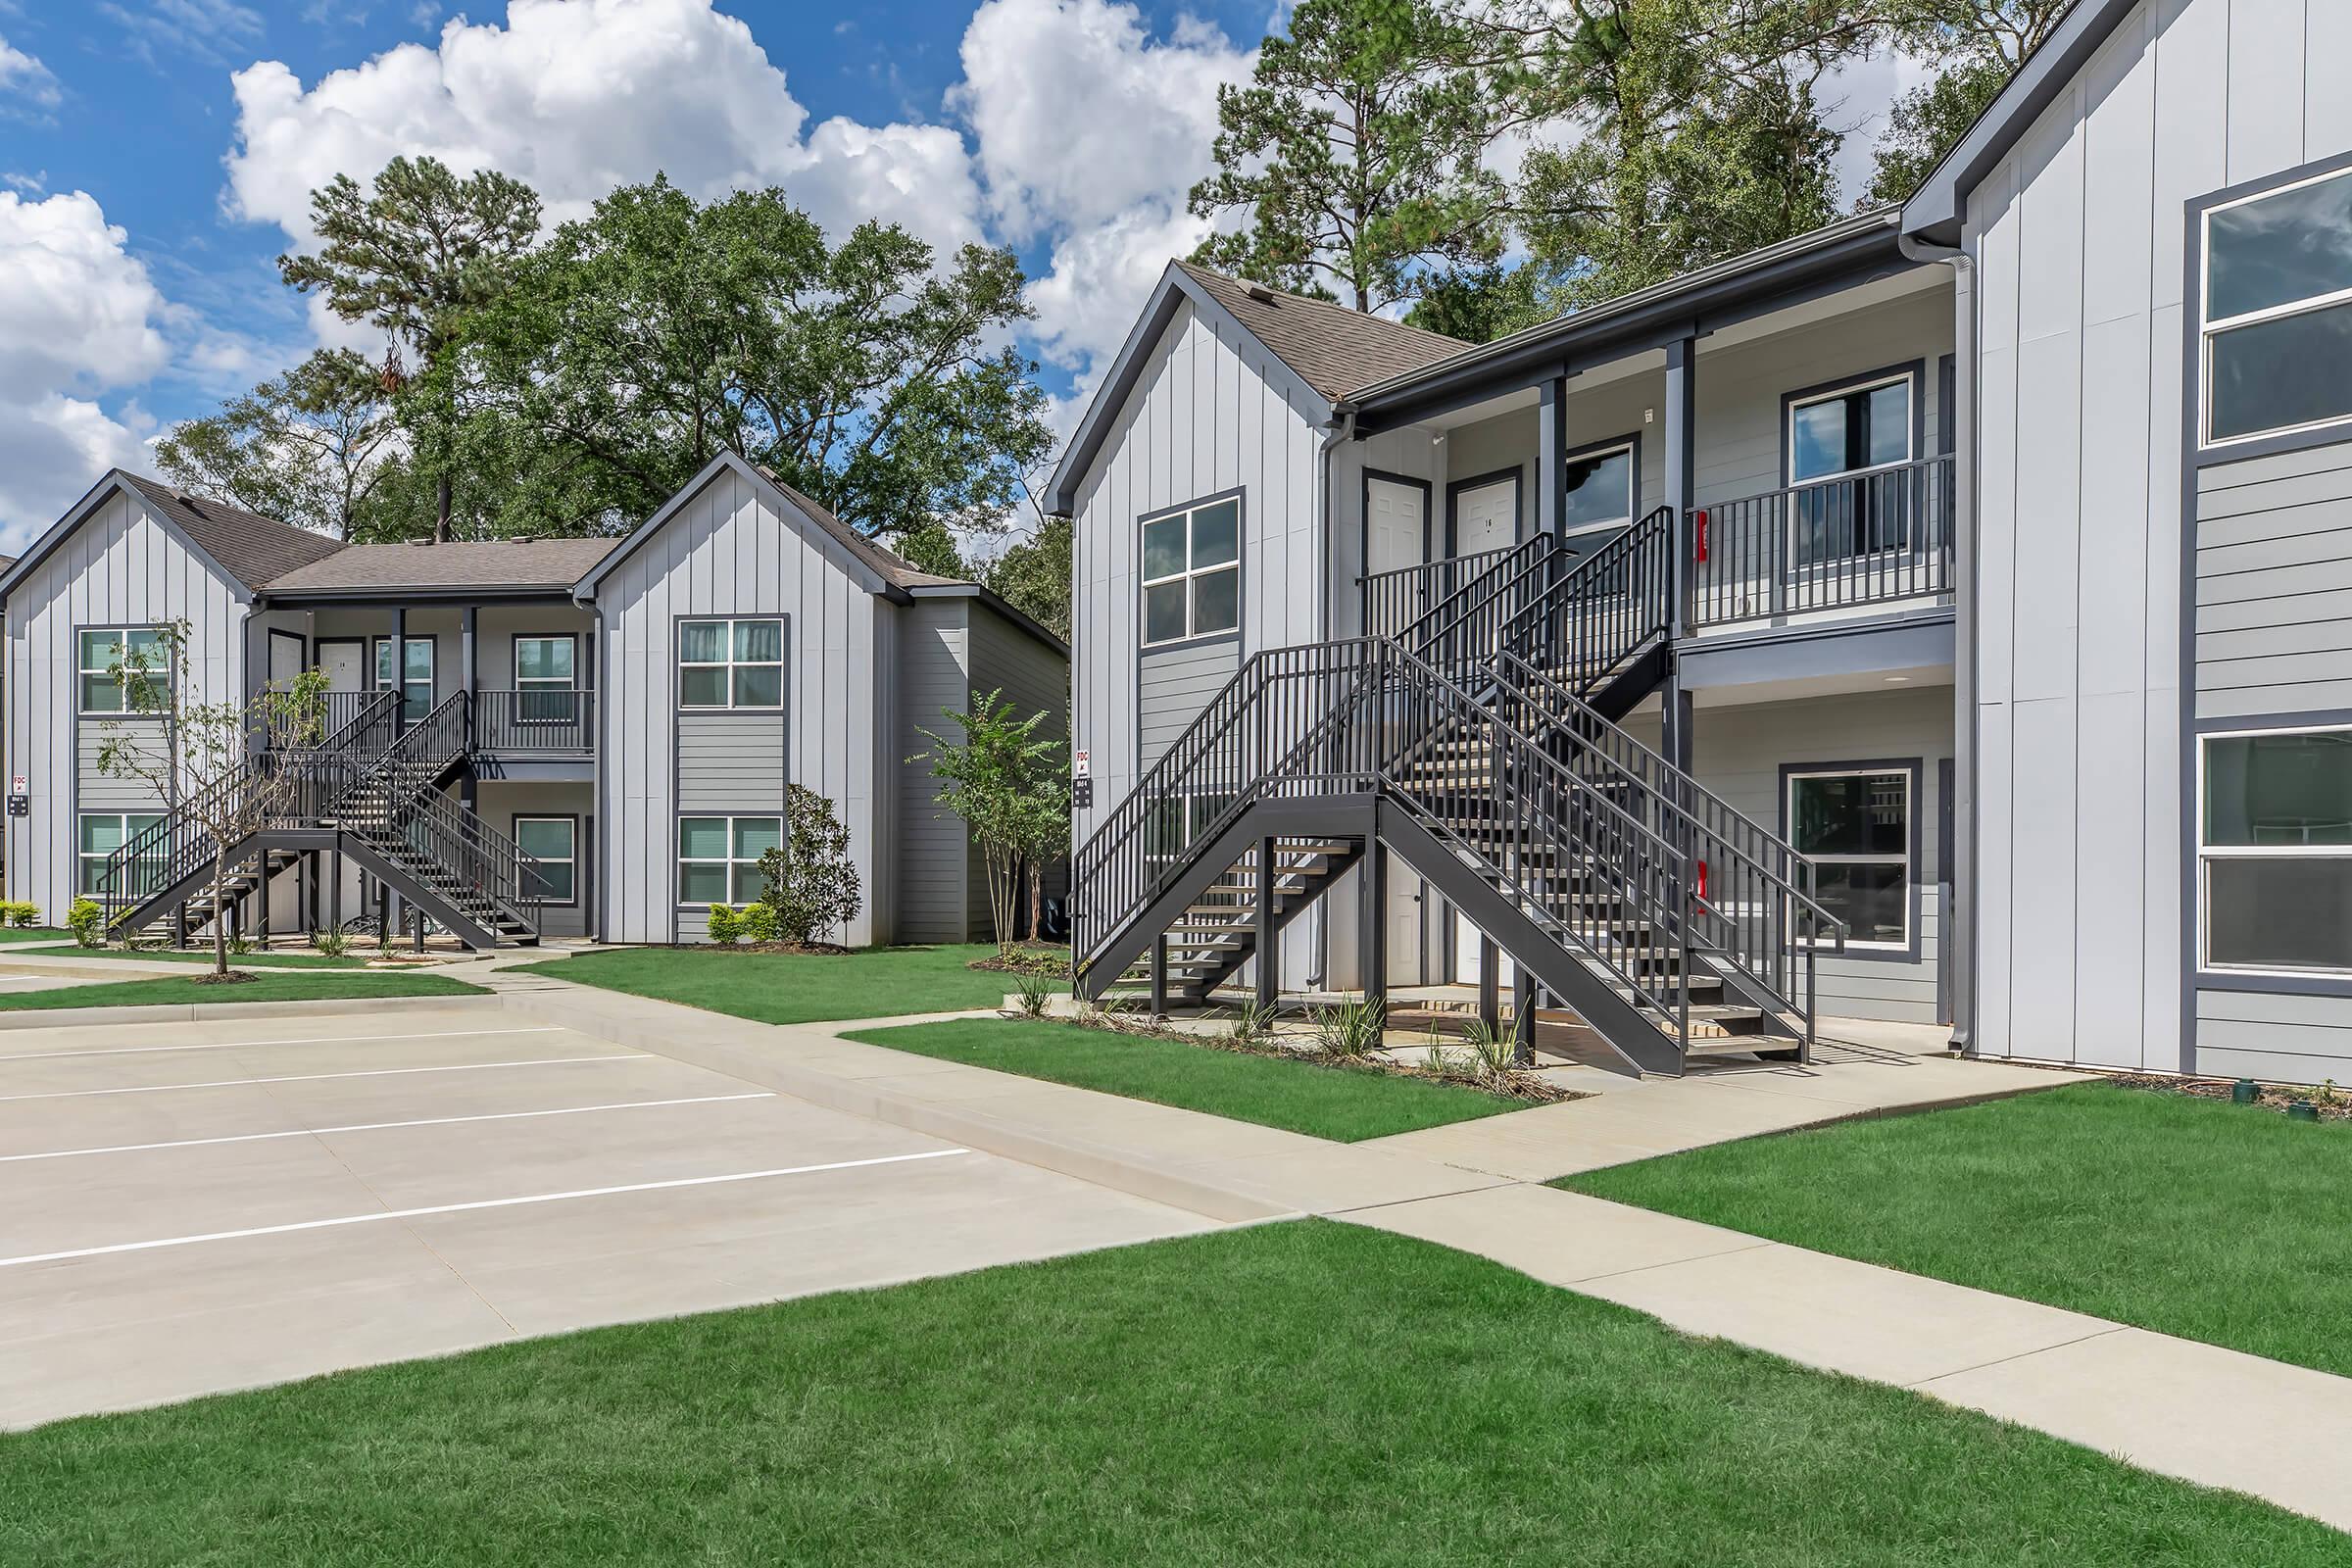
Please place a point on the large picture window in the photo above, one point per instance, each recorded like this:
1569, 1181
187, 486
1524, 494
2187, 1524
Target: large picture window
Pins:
1855, 825
546, 670
553, 842
731, 664
2278, 310
1601, 488
1839, 433
2274, 851
1193, 572
415, 680
108, 657
101, 834
718, 856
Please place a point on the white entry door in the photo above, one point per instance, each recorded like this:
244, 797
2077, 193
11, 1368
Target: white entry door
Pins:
1396, 535
1465, 955
1486, 517
344, 664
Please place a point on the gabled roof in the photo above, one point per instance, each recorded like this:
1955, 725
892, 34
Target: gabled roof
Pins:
550, 564
243, 548
1334, 349
887, 564
1936, 209
1329, 348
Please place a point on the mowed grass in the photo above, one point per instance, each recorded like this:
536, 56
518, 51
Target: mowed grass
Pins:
246, 961
2206, 1220
13, 934
1308, 1392
1343, 1104
797, 987
290, 986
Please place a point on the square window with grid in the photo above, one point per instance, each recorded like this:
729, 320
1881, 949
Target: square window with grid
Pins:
111, 658
1191, 573
718, 858
2274, 851
731, 664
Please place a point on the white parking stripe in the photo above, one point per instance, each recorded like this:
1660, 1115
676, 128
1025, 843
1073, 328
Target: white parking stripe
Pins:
306, 1040
385, 1126
461, 1208
308, 1077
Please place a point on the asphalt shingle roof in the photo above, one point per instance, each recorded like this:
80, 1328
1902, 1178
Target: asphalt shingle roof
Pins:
1334, 349
891, 567
463, 564
251, 548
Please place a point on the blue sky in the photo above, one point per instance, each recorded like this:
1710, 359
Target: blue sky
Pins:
157, 157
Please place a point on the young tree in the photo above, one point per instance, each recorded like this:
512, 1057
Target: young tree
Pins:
644, 339
412, 256
1034, 575
202, 757
810, 884
309, 447
998, 778
1357, 154
930, 546
1978, 46
1045, 839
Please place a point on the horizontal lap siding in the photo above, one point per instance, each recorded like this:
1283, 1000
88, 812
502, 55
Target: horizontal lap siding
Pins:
120, 568
500, 800
2274, 545
733, 763
2245, 1034
934, 678
1172, 689
726, 553
1035, 678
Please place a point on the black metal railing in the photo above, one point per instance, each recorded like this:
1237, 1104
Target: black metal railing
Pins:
1753, 898
1600, 610
534, 720
1831, 544
1395, 600
476, 868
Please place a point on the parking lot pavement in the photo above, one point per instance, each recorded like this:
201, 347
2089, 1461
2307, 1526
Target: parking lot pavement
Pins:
191, 1207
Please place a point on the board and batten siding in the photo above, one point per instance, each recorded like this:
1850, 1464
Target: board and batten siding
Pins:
1210, 411
2079, 238
1035, 678
933, 845
120, 567
727, 551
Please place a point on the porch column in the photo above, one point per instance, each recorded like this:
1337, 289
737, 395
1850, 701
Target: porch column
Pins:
1269, 955
400, 662
1681, 486
1159, 975
1372, 924
466, 652
1489, 986
1551, 440
1523, 1019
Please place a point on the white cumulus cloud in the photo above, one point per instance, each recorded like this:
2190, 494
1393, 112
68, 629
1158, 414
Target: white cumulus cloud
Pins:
78, 317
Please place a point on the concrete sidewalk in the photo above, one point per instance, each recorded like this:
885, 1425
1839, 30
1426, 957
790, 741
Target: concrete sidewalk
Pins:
2207, 1415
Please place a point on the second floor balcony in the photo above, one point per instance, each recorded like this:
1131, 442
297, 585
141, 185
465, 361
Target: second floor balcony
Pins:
1851, 542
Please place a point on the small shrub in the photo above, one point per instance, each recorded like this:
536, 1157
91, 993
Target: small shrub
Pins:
1253, 1023
756, 922
1035, 991
21, 914
725, 925
1447, 1060
811, 883
1492, 1050
1350, 1031
87, 921
331, 943
240, 945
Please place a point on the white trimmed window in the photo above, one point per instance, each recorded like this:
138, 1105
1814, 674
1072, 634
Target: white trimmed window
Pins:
415, 679
2274, 851
553, 842
107, 658
731, 664
1191, 573
2277, 346
1855, 824
546, 669
718, 858
1599, 494
100, 835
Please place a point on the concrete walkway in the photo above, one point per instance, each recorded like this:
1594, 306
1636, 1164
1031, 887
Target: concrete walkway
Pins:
2213, 1416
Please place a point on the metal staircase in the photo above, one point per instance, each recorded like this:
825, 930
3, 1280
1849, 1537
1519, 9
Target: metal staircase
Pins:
372, 791
1478, 743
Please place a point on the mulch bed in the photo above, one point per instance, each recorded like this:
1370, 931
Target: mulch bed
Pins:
2334, 1104
1029, 959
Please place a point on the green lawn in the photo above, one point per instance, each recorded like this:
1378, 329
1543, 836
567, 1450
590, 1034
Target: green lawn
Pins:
1299, 1393
1345, 1104
795, 986
2192, 1218
261, 961
297, 987
12, 934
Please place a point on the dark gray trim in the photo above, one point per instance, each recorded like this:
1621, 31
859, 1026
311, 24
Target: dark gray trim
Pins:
580, 861
1915, 890
320, 646
1632, 438
80, 628
431, 640
2186, 634
2192, 307
606, 719
1239, 496
515, 654
1363, 514
1516, 473
1936, 211
730, 817
387, 596
1923, 640
1947, 880
1102, 409
1915, 371
1826, 261
678, 714
677, 670
80, 512
1947, 404
302, 648
2197, 977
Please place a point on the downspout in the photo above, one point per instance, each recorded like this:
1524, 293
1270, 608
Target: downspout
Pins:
1960, 942
594, 912
1340, 428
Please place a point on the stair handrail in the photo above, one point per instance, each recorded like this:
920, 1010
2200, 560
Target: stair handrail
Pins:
1743, 869
1424, 585
490, 868
161, 856
1630, 617
1464, 628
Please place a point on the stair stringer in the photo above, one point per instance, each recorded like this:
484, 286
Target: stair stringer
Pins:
451, 918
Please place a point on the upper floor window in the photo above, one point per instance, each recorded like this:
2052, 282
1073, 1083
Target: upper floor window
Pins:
2275, 849
1601, 488
109, 657
731, 664
1193, 571
2278, 310
1850, 429
415, 676
545, 674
